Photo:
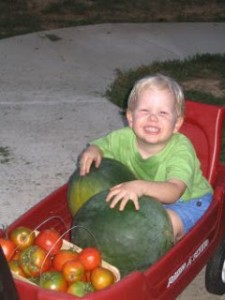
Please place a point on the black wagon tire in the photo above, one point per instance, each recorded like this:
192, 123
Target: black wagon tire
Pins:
215, 271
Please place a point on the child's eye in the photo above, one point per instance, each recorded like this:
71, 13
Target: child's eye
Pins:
144, 110
163, 113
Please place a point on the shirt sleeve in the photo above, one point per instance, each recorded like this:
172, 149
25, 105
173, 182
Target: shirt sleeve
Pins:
182, 164
109, 144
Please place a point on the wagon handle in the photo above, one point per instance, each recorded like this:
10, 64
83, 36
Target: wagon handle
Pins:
48, 219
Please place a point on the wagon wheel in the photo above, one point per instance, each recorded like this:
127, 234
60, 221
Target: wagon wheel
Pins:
215, 271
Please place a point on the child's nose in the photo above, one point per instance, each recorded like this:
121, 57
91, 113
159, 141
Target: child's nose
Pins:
153, 117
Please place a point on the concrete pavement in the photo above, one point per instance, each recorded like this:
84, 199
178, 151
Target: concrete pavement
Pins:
52, 98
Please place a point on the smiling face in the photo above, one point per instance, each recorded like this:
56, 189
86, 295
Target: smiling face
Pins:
154, 119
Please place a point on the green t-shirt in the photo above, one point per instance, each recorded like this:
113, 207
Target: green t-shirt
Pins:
177, 160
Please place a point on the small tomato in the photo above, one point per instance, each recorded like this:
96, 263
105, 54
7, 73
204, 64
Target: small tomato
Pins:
34, 261
8, 248
102, 278
54, 281
49, 240
73, 271
62, 257
15, 268
22, 237
90, 258
80, 288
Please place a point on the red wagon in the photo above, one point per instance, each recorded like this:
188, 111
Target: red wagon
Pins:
204, 244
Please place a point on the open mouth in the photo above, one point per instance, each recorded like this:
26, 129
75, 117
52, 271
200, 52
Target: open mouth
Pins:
152, 129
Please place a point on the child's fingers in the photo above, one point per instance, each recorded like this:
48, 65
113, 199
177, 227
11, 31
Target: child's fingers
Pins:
115, 200
86, 162
113, 192
114, 197
85, 165
98, 161
125, 200
123, 203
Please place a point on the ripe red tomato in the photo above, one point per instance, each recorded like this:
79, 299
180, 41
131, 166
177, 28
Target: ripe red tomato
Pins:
73, 271
54, 281
15, 267
102, 278
49, 240
90, 257
8, 248
80, 288
34, 261
22, 237
62, 257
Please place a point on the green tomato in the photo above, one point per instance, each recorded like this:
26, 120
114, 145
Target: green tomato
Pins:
80, 288
53, 280
34, 260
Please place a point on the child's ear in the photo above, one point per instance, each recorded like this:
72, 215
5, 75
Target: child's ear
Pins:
129, 118
178, 124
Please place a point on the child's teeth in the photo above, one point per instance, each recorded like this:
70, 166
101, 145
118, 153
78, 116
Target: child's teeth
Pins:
152, 129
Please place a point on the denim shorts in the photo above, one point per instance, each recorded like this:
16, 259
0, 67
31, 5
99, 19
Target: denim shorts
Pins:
190, 211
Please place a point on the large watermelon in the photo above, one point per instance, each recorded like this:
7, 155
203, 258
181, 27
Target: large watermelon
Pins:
81, 188
130, 240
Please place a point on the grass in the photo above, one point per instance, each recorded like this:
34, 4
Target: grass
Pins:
26, 16
205, 68
16, 19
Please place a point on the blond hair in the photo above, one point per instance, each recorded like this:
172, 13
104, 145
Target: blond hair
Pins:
161, 82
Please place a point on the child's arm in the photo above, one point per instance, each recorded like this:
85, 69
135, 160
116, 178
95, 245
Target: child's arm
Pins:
90, 155
165, 192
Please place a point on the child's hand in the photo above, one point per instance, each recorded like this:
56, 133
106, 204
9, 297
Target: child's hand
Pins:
124, 192
90, 155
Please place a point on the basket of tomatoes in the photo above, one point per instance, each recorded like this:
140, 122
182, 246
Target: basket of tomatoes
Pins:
45, 259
